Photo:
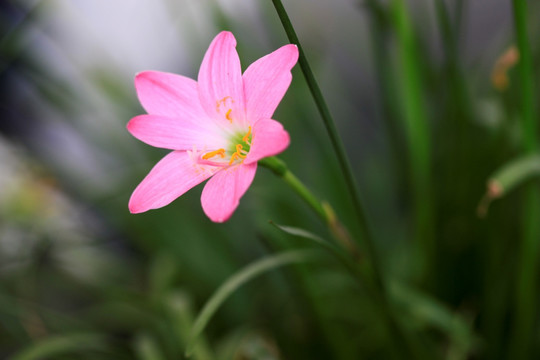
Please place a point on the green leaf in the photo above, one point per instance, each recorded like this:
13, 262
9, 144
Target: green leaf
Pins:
304, 234
238, 279
416, 125
508, 177
61, 344
343, 258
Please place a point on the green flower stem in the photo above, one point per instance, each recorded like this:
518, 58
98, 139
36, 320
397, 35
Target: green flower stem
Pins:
526, 294
364, 274
323, 210
376, 274
279, 168
339, 149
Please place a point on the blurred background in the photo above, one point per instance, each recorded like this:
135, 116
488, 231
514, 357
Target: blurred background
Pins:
429, 101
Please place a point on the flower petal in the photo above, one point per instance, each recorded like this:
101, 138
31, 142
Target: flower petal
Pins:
162, 93
221, 194
267, 80
175, 133
171, 177
220, 80
269, 138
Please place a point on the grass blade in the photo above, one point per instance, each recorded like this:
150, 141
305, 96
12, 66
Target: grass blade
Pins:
333, 249
508, 177
417, 134
240, 278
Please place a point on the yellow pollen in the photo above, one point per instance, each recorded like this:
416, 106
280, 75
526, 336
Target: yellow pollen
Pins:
211, 154
228, 115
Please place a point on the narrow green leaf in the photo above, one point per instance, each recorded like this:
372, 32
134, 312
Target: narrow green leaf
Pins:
508, 177
61, 344
234, 282
304, 234
515, 173
345, 260
418, 133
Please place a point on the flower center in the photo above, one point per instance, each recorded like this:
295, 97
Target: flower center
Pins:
240, 145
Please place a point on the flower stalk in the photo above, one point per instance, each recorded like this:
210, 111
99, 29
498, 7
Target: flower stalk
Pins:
337, 145
363, 272
322, 209
395, 329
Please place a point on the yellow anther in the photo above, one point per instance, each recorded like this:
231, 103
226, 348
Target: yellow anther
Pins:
246, 137
239, 151
222, 101
211, 154
233, 157
228, 115
239, 154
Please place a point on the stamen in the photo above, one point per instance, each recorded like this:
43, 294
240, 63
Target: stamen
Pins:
228, 115
233, 157
246, 137
222, 101
239, 154
211, 154
239, 151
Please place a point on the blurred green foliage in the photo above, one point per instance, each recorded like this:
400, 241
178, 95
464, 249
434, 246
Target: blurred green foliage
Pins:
415, 88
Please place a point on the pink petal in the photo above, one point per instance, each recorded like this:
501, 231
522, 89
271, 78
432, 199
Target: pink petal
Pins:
175, 133
267, 80
269, 138
168, 94
172, 176
221, 194
220, 80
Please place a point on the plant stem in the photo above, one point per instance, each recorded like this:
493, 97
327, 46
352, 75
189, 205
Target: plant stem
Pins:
526, 294
325, 213
377, 277
337, 145
365, 275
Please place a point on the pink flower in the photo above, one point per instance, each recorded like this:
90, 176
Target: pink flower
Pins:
218, 127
